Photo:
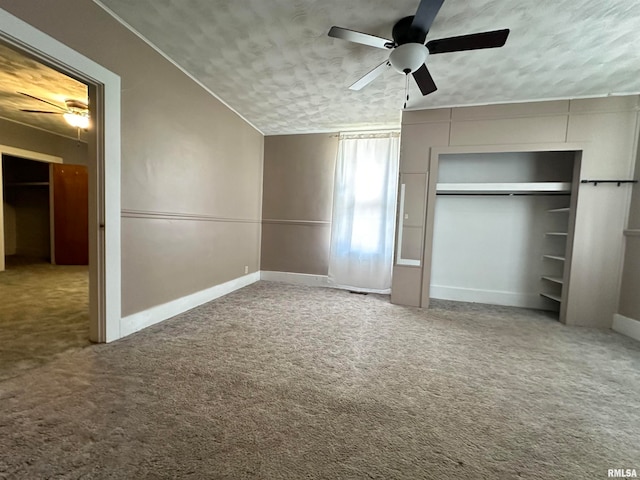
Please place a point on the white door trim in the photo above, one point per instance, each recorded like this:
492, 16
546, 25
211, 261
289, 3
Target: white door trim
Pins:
104, 230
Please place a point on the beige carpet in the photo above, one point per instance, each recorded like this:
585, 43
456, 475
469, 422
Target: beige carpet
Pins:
277, 381
44, 311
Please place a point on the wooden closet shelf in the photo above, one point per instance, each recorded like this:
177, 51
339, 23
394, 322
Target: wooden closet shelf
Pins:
553, 279
27, 184
556, 298
554, 257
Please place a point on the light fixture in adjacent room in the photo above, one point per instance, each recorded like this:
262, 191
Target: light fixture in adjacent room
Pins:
75, 112
77, 119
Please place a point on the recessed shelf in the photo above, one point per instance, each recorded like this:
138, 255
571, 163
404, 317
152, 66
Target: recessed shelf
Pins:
556, 234
553, 279
554, 257
556, 298
559, 210
486, 188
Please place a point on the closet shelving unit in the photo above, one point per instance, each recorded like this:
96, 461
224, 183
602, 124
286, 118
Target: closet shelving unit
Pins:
553, 283
501, 230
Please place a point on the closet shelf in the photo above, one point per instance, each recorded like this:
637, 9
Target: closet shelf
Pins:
554, 257
556, 234
27, 184
556, 298
485, 188
553, 279
559, 210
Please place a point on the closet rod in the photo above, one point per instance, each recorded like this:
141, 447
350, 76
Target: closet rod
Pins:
618, 182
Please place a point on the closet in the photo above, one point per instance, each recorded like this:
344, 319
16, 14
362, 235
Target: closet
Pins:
502, 230
26, 206
45, 209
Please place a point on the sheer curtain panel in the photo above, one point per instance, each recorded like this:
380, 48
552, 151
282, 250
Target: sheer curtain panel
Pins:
364, 209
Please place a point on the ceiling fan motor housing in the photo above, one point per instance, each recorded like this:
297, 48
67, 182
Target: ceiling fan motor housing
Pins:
404, 32
408, 58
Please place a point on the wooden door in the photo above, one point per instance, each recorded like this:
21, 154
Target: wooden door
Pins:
70, 195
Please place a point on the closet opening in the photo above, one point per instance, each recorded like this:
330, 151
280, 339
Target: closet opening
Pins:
502, 227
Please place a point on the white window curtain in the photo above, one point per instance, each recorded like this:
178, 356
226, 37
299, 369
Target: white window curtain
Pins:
364, 209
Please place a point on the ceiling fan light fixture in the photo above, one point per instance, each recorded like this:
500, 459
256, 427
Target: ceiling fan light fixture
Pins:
408, 58
77, 120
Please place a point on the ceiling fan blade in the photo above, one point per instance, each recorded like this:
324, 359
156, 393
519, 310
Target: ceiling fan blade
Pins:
475, 41
426, 14
41, 100
371, 76
424, 80
42, 111
362, 38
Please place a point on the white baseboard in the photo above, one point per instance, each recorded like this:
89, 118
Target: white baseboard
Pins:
492, 297
157, 314
312, 281
626, 326
295, 278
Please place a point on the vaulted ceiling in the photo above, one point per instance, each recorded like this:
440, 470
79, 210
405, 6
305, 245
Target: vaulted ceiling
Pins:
272, 61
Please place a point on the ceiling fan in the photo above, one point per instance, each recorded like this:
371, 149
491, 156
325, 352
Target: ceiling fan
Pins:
75, 112
408, 49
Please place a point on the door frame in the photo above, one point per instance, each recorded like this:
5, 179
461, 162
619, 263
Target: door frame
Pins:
104, 168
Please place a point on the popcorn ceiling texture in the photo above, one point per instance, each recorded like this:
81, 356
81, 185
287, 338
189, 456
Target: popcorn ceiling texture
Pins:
274, 63
19, 73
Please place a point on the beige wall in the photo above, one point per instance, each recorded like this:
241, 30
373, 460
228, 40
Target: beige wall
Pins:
298, 196
36, 140
191, 168
630, 287
607, 130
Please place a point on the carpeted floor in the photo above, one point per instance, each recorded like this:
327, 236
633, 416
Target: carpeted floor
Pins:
44, 311
277, 381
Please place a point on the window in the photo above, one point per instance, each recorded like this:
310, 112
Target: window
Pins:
364, 207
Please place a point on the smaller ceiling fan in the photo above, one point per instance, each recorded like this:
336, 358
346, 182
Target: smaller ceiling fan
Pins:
408, 49
75, 112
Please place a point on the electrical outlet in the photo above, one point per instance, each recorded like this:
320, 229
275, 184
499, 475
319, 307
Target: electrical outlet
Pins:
246, 269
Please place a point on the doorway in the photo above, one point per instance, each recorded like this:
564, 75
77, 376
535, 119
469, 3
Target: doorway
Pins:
103, 167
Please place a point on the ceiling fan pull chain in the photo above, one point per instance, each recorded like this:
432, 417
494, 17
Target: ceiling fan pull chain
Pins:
406, 90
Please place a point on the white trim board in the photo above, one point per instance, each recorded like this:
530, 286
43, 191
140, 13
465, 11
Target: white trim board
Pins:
295, 278
491, 297
626, 326
138, 321
312, 281
29, 155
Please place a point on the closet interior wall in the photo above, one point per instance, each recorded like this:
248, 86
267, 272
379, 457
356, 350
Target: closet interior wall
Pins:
494, 232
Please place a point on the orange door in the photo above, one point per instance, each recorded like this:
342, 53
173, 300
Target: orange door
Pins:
70, 185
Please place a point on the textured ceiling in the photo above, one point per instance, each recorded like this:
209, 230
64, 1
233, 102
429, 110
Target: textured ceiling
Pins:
272, 61
19, 73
